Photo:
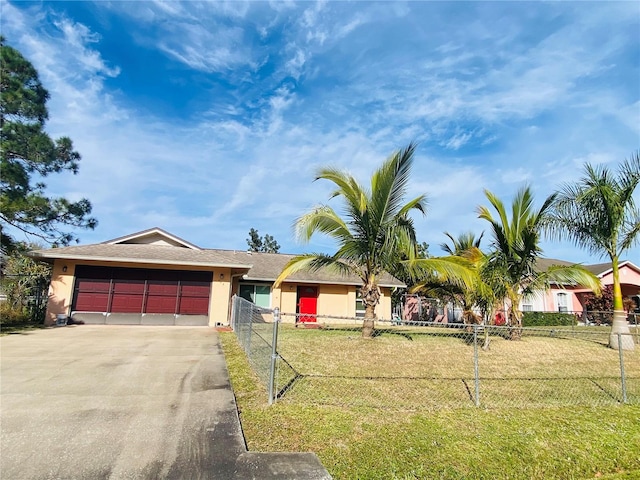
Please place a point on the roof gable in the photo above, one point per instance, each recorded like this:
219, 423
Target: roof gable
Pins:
602, 269
153, 236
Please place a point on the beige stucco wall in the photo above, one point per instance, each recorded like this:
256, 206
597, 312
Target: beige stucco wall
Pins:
220, 298
384, 309
288, 299
333, 301
60, 291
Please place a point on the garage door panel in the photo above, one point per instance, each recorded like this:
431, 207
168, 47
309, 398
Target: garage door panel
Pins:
194, 306
126, 303
93, 285
161, 304
156, 287
129, 286
92, 302
193, 289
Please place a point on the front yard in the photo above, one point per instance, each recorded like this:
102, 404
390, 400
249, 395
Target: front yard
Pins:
370, 410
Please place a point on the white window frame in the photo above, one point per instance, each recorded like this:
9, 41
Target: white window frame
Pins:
564, 303
359, 312
527, 303
254, 285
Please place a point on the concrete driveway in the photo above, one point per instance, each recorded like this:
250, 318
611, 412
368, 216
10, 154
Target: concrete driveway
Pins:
127, 402
92, 402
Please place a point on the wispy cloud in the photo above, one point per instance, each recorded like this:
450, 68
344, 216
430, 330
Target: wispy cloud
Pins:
496, 94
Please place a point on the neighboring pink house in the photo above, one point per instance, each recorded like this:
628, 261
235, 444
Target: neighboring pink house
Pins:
567, 298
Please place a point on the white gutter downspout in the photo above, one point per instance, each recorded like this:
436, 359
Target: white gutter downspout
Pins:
231, 277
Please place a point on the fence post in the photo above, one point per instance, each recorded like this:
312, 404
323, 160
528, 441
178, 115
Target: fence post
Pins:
274, 355
624, 383
475, 364
248, 326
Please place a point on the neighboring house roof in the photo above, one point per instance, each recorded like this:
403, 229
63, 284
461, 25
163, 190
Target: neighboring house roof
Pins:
598, 269
602, 269
543, 264
166, 249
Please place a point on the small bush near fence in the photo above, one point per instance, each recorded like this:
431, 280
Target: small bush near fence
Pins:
10, 315
548, 319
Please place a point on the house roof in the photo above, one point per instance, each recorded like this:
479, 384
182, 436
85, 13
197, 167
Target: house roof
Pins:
267, 267
543, 264
602, 269
152, 235
256, 266
598, 269
144, 254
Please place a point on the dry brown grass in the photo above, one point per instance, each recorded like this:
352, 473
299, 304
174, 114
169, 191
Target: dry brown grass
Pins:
426, 367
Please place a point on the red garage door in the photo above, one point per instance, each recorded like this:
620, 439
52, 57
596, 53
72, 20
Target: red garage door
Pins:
140, 291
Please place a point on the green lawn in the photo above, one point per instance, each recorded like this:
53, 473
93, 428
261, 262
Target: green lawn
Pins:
359, 434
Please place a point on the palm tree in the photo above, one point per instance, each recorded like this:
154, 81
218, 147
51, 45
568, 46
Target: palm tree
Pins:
516, 248
465, 244
375, 235
598, 213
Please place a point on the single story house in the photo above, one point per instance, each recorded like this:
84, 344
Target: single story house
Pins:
153, 277
570, 298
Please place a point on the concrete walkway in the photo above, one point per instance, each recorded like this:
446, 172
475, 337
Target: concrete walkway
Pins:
127, 402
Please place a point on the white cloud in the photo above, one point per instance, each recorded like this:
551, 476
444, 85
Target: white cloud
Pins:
492, 104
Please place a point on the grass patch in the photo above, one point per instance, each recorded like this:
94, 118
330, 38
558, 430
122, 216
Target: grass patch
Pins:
364, 442
429, 368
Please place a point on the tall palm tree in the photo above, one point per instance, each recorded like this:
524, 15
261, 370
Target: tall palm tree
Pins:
598, 213
376, 233
516, 248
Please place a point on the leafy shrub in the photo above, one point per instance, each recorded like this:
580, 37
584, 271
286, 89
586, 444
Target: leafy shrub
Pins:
600, 318
548, 319
10, 315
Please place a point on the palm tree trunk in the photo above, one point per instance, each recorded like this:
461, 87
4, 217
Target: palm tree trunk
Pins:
370, 294
620, 336
368, 325
515, 324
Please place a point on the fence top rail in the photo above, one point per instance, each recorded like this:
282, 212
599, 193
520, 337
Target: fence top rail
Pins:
546, 330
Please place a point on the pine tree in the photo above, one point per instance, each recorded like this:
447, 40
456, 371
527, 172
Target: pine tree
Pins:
28, 155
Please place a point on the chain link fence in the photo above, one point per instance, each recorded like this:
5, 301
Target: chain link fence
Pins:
257, 331
427, 366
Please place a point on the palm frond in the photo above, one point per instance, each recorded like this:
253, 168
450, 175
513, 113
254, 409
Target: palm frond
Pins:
313, 262
321, 219
573, 275
456, 270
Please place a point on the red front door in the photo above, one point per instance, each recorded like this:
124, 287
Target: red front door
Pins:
307, 304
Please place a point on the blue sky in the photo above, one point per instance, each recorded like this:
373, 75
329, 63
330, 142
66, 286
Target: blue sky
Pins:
208, 119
